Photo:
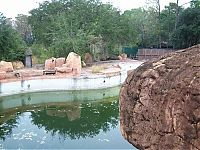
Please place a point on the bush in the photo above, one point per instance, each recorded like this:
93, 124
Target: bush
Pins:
12, 46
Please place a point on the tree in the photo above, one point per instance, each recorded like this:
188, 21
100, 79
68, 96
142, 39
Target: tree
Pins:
11, 45
155, 9
168, 19
68, 25
177, 13
134, 23
195, 3
188, 31
22, 26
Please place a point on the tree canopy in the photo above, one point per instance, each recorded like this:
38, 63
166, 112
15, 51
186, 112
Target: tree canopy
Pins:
11, 44
58, 27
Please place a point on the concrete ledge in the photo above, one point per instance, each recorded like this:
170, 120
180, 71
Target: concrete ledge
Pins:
84, 82
78, 83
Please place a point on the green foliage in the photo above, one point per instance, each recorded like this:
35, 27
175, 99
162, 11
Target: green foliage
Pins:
68, 25
168, 18
195, 3
62, 26
40, 53
11, 44
24, 29
188, 30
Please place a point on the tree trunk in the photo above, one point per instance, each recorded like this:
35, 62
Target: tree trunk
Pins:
158, 3
177, 13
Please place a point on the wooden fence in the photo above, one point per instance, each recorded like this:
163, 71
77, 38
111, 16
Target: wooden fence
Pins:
148, 54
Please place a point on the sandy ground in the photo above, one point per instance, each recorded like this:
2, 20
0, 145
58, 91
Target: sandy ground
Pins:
98, 68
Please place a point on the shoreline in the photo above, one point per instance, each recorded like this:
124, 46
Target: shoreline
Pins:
86, 81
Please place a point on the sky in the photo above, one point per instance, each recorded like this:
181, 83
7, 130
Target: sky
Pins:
10, 8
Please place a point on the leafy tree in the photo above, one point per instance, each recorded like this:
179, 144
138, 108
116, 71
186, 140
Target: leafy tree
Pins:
195, 3
168, 21
11, 45
155, 10
22, 26
68, 25
133, 23
84, 26
188, 31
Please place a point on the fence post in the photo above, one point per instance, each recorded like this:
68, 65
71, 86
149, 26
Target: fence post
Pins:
0, 88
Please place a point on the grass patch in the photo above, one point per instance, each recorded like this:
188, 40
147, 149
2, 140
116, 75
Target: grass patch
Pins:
97, 69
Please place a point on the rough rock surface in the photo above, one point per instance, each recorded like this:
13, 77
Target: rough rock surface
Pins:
6, 66
2, 75
63, 69
60, 62
18, 65
160, 103
122, 56
74, 61
50, 64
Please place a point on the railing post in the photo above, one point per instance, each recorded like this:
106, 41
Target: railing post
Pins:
0, 88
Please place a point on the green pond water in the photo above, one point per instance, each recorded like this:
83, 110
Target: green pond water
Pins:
67, 120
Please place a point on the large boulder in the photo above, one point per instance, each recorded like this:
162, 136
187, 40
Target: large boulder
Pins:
6, 66
122, 56
18, 65
60, 62
50, 64
74, 61
63, 69
160, 102
2, 75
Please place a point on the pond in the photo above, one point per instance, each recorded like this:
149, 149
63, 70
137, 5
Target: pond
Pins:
52, 120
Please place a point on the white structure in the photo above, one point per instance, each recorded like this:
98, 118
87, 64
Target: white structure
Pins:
76, 83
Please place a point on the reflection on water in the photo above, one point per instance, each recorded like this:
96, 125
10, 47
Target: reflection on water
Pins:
68, 124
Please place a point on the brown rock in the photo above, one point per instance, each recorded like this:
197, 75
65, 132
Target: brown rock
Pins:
74, 61
6, 66
50, 64
122, 56
18, 65
11, 75
30, 73
2, 75
63, 69
88, 59
60, 62
160, 103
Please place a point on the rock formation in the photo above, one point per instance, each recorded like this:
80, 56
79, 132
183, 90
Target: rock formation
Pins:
50, 64
74, 61
17, 65
63, 69
6, 66
60, 62
122, 56
2, 75
160, 102
71, 65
